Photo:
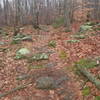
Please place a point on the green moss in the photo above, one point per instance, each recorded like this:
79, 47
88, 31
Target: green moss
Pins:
86, 91
63, 55
86, 63
97, 98
52, 44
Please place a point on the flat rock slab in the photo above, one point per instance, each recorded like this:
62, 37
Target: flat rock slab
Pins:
49, 82
45, 83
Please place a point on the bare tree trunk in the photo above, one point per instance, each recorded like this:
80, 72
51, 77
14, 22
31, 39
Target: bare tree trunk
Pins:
17, 17
67, 13
35, 14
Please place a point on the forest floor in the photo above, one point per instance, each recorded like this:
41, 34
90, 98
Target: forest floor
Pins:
61, 60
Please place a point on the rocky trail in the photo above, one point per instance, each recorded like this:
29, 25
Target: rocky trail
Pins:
52, 76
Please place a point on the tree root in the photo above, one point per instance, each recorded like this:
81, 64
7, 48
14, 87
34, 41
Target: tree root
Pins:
90, 77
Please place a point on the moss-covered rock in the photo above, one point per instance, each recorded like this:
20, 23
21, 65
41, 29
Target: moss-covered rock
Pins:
84, 28
86, 63
39, 56
90, 23
73, 41
79, 36
22, 53
21, 37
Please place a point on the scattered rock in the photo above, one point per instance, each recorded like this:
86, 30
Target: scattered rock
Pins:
49, 82
85, 28
86, 63
73, 41
79, 36
45, 83
40, 56
23, 52
21, 37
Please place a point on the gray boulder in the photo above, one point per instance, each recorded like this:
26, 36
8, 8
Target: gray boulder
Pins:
45, 83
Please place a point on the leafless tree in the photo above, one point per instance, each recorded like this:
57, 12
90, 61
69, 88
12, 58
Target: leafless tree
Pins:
35, 12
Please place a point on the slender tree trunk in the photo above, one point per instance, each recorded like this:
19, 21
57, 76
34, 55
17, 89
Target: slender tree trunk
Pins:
67, 13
